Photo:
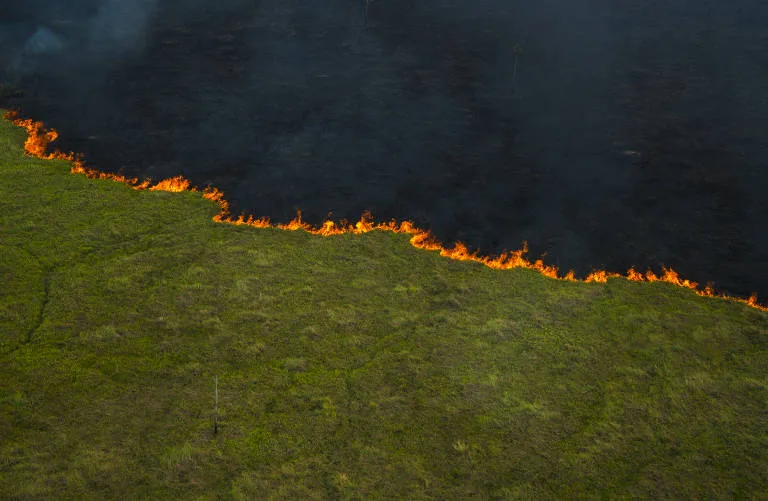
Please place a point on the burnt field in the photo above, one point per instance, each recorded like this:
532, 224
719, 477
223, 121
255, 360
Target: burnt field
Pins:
605, 134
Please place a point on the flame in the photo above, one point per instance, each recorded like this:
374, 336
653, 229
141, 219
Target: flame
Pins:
38, 139
174, 184
36, 145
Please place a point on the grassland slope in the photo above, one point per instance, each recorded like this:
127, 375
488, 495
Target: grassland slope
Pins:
349, 367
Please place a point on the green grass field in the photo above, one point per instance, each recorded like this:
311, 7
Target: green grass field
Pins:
349, 367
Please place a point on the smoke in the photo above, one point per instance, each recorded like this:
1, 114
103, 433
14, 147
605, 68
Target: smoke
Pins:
120, 27
42, 42
44, 37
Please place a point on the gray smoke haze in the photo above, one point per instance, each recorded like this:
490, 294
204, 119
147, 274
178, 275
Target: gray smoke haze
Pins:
120, 26
50, 36
634, 132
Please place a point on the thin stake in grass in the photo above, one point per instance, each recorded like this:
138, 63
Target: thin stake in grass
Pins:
216, 404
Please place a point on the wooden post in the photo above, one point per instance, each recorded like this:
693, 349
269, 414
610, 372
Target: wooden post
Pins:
216, 405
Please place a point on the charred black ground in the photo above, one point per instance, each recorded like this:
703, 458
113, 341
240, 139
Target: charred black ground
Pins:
630, 133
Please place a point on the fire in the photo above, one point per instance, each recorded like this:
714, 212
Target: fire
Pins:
174, 184
39, 138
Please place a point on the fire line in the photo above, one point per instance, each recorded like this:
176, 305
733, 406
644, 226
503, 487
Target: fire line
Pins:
38, 139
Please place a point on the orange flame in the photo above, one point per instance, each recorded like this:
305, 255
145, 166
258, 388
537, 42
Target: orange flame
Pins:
174, 184
39, 138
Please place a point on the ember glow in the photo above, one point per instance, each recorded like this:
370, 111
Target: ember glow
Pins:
38, 139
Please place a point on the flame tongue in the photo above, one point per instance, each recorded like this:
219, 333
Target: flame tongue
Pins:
38, 140
174, 184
